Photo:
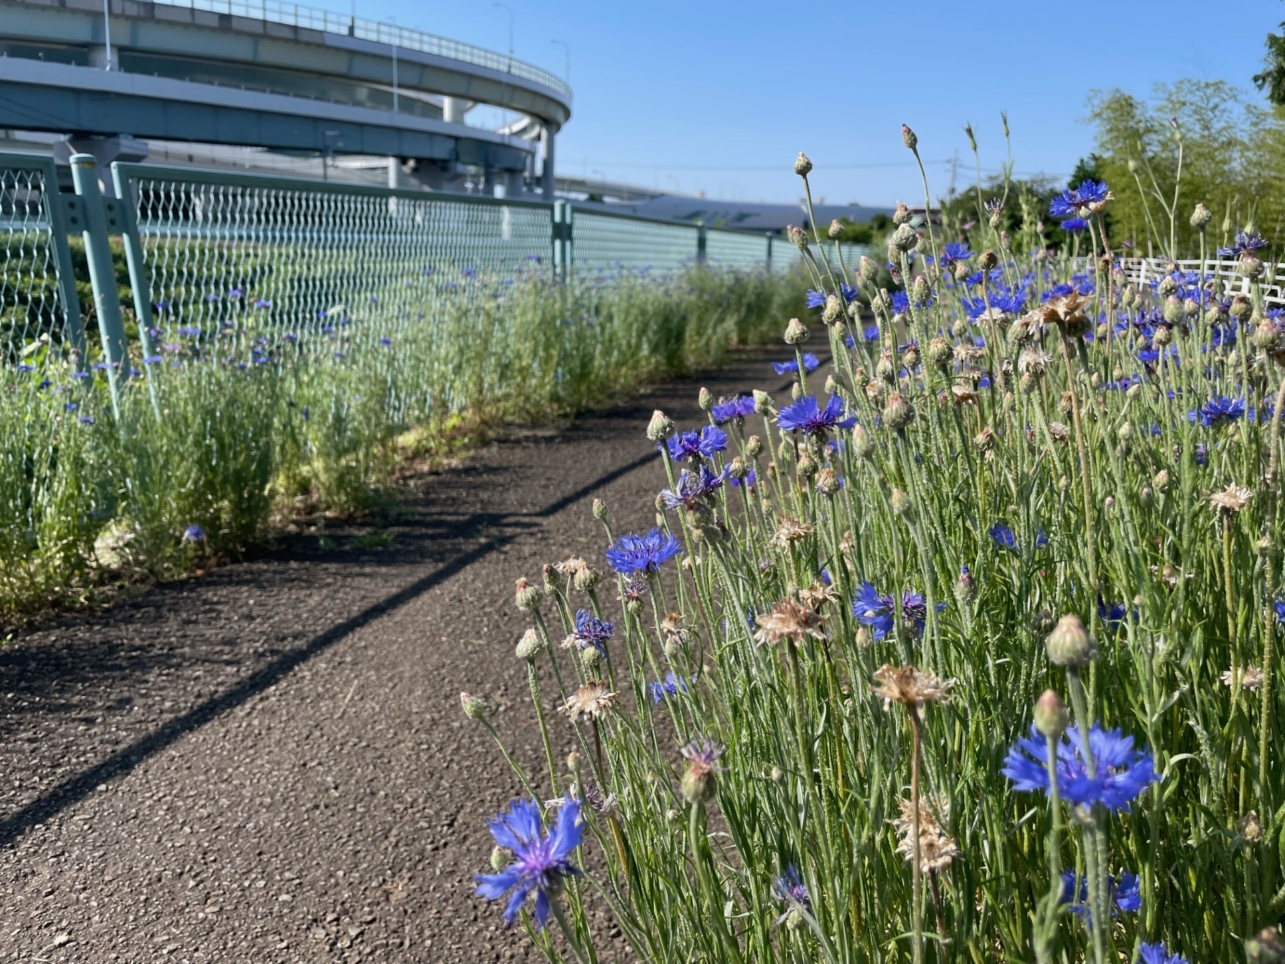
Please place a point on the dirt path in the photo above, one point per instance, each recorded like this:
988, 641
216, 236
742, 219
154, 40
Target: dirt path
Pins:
269, 764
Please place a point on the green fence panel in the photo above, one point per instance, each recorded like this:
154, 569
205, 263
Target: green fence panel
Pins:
604, 243
735, 249
39, 307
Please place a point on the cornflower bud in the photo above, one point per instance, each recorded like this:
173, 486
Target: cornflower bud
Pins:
573, 763
553, 581
827, 482
1051, 716
1070, 644
832, 387
763, 403
885, 369
882, 301
862, 444
904, 238
1241, 307
600, 510
919, 291
837, 230
908, 137
1163, 336
988, 260
586, 578
1173, 310
959, 328
867, 269
939, 355
530, 645
660, 427
911, 357
796, 332
737, 469
901, 503
526, 595
796, 391
754, 446
1190, 307
832, 313
802, 166
901, 214
961, 270
897, 412
807, 466
797, 236
1251, 267
1161, 480
1201, 217
1124, 432
473, 706
500, 857
785, 451
1267, 336
1167, 286
704, 399
965, 587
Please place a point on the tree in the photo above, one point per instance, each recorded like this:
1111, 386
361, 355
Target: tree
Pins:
1272, 79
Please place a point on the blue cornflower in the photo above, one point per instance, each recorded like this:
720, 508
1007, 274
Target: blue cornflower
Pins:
726, 409
1126, 896
790, 889
189, 332
1120, 771
807, 416
86, 420
26, 367
1218, 410
592, 631
263, 303
1149, 356
385, 340
671, 685
1279, 606
645, 554
1088, 193
693, 445
193, 533
235, 293
900, 302
468, 272
1246, 244
1158, 954
693, 488
815, 299
877, 610
291, 336
1075, 225
70, 407
1112, 615
1003, 536
810, 363
953, 252
539, 865
751, 480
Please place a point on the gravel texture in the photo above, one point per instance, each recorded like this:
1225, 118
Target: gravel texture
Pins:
269, 763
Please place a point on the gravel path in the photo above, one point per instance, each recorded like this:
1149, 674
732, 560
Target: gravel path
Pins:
269, 764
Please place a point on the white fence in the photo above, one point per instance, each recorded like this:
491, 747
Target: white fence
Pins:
1146, 270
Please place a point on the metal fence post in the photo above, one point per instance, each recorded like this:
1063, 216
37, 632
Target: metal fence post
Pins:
768, 262
702, 240
72, 326
568, 239
558, 254
137, 275
95, 221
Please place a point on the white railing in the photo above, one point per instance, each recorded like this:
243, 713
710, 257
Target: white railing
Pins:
315, 18
1146, 270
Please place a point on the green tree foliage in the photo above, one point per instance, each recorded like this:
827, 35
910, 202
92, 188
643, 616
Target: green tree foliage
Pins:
1272, 80
1230, 154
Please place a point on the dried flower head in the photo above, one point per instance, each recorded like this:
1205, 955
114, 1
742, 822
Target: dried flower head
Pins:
909, 686
1231, 499
936, 847
788, 621
1251, 677
790, 530
589, 702
818, 594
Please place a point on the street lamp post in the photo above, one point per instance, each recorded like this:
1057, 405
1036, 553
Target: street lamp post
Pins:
566, 71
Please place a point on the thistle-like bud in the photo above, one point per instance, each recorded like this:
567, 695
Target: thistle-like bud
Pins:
885, 369
530, 645
1161, 480
988, 260
807, 466
802, 166
1173, 311
961, 270
1265, 947
1051, 716
898, 412
500, 857
901, 502
705, 399
882, 301
737, 469
1267, 336
833, 310
553, 581
862, 444
586, 578
573, 763
867, 270
939, 355
832, 387
1190, 307
798, 237
919, 291
1201, 217
796, 332
965, 587
660, 427
600, 510
908, 137
1070, 644
698, 785
796, 391
827, 482
904, 238
1124, 432
754, 446
911, 357
837, 230
473, 706
785, 451
526, 595
1251, 267
763, 403
1241, 307
1166, 286
1163, 336
901, 214
996, 218
959, 328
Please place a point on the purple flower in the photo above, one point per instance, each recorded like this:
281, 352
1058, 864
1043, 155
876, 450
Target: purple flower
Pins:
1068, 203
1120, 772
263, 303
671, 685
1075, 225
1158, 954
1219, 410
385, 340
1003, 536
790, 889
954, 252
86, 420
693, 488
235, 293
1126, 896
807, 416
726, 409
468, 272
193, 533
1245, 245
810, 363
539, 864
877, 610
25, 367
693, 445
645, 554
592, 631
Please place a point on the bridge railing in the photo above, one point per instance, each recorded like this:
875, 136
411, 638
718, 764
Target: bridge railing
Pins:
250, 258
315, 18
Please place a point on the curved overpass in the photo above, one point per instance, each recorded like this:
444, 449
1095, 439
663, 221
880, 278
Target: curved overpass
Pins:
270, 74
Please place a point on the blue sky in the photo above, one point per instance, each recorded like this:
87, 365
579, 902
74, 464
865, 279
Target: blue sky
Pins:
720, 96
